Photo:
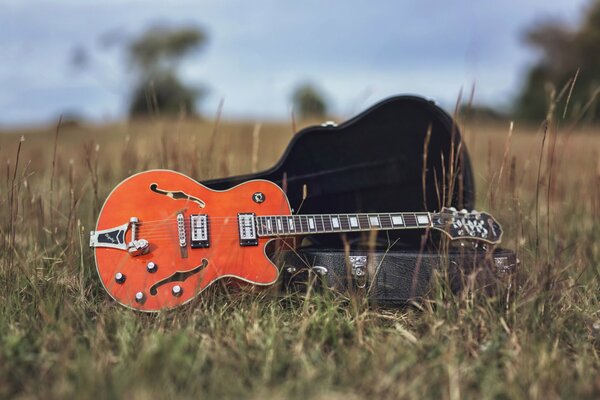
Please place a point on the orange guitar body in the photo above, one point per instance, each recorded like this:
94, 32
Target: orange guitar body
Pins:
168, 273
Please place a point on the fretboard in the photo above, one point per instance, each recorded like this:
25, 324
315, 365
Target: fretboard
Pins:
284, 225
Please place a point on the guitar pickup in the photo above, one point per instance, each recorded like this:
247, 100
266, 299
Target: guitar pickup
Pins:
200, 231
247, 229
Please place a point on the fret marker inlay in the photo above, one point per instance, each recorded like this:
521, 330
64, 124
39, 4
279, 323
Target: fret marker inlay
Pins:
335, 222
354, 222
423, 219
397, 220
311, 223
291, 223
374, 221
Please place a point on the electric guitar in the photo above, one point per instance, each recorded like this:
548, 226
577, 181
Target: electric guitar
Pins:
162, 237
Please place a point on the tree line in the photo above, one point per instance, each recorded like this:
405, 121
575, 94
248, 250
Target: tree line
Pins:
564, 82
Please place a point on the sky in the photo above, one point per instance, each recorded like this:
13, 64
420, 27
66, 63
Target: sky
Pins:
357, 52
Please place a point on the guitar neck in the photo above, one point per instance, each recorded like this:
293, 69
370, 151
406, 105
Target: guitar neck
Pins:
285, 225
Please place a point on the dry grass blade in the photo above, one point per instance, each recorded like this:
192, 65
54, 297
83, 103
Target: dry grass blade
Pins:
62, 336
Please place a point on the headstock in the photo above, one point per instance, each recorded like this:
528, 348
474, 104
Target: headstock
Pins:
463, 224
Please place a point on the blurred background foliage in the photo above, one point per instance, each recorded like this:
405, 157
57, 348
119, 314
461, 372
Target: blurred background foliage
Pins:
156, 56
564, 82
309, 101
568, 69
129, 66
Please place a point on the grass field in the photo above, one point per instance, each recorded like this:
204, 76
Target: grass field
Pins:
62, 337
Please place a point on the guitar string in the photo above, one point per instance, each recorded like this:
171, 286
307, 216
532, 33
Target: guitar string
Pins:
284, 224
233, 229
400, 213
173, 235
167, 230
304, 227
211, 218
234, 233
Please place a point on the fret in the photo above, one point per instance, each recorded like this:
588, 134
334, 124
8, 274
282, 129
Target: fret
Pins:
344, 222
319, 222
410, 220
335, 223
294, 224
374, 221
303, 224
386, 221
363, 220
397, 220
297, 224
353, 220
327, 223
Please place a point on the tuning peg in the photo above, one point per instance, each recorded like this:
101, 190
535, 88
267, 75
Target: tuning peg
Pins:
452, 208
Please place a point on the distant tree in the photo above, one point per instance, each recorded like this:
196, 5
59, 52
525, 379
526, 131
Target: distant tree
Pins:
308, 101
564, 50
163, 93
156, 56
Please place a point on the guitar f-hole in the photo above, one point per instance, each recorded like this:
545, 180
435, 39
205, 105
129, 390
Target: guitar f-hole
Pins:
179, 276
177, 195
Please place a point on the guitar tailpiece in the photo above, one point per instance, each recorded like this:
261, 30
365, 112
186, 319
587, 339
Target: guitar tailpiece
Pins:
115, 238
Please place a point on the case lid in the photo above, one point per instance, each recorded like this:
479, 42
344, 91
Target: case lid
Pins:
402, 154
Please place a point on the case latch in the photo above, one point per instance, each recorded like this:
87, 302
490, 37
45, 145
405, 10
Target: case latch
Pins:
359, 270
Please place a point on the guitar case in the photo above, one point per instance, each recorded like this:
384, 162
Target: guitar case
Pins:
391, 278
402, 154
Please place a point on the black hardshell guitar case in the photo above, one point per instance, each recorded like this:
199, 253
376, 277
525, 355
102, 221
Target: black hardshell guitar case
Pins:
374, 163
391, 278
402, 154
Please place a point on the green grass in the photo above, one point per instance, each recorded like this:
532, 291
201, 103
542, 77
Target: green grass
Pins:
62, 337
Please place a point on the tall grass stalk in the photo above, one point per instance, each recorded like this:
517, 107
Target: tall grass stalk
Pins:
61, 336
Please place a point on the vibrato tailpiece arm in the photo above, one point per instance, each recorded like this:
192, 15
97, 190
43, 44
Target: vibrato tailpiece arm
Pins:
115, 238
